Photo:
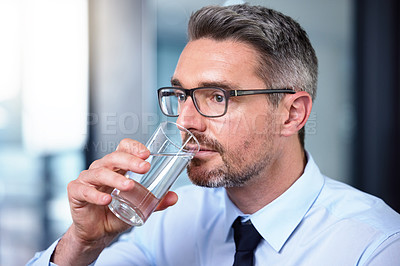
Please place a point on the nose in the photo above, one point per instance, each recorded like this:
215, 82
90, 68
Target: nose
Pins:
190, 118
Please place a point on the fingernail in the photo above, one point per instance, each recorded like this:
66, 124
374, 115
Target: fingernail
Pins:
143, 164
127, 182
105, 198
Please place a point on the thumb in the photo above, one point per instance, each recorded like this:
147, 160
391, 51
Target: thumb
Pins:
169, 200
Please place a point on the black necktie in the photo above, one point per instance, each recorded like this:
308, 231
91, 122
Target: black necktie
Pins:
246, 240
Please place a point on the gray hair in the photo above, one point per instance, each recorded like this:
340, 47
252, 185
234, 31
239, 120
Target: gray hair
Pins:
286, 56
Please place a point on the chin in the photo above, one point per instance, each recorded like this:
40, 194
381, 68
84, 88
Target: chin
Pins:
204, 178
214, 178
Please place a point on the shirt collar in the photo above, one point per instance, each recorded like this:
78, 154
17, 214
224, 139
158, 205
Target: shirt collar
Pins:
277, 221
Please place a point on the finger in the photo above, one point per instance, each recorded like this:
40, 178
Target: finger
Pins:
119, 160
104, 177
169, 200
79, 194
133, 147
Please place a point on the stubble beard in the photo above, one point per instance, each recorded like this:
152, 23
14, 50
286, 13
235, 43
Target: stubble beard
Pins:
237, 167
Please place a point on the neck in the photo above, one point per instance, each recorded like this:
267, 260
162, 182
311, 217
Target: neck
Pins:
261, 190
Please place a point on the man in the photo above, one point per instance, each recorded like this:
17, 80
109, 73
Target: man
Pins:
252, 170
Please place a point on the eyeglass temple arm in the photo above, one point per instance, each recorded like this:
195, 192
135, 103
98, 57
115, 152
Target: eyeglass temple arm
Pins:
252, 92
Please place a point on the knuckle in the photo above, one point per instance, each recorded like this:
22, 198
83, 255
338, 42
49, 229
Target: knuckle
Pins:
97, 172
125, 143
72, 188
94, 164
130, 145
85, 194
83, 174
111, 157
71, 185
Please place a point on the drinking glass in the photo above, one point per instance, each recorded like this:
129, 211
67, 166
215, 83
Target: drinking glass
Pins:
171, 149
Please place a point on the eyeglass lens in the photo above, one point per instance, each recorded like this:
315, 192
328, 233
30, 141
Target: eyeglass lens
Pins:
209, 101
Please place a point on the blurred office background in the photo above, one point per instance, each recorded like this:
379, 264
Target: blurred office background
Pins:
77, 76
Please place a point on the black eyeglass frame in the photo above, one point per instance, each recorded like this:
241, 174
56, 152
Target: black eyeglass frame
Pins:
227, 94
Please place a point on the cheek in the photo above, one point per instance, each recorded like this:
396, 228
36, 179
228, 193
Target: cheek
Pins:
249, 126
240, 130
238, 138
231, 131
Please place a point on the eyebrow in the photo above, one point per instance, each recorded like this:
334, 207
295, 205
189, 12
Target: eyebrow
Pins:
218, 84
175, 82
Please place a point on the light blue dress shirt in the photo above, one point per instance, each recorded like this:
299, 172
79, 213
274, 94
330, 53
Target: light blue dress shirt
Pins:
317, 221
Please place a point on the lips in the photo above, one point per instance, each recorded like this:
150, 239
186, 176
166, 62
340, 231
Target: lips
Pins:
205, 152
202, 148
205, 148
208, 146
191, 147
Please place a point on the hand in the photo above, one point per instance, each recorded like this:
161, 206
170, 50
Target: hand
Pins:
94, 225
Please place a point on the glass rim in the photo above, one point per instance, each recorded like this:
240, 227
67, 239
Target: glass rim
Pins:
183, 145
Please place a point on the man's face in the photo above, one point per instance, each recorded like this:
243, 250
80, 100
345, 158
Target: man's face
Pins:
239, 145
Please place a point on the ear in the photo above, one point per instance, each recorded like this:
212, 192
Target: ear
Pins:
296, 110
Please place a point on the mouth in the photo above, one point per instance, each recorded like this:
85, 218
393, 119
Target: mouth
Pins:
203, 148
205, 152
209, 147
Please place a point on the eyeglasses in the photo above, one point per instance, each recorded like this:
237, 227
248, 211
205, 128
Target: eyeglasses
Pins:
209, 101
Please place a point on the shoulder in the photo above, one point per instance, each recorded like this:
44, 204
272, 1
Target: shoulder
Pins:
350, 221
354, 219
346, 202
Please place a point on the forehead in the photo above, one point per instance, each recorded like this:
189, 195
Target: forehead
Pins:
207, 60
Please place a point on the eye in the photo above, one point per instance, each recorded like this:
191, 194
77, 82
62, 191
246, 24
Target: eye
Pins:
181, 97
219, 98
